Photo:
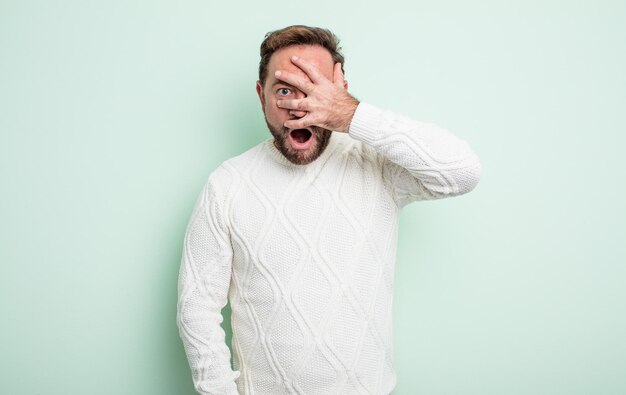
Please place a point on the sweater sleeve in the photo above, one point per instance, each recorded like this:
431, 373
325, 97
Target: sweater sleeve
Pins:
420, 161
203, 283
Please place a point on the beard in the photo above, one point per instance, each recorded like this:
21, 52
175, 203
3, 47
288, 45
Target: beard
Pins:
321, 138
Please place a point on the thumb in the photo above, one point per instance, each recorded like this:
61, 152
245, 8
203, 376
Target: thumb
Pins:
338, 76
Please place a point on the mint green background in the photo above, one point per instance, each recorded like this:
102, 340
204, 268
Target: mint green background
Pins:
113, 113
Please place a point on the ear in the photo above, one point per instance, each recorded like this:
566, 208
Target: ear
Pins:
345, 84
259, 91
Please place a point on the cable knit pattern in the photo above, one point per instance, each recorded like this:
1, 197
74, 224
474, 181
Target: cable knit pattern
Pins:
306, 254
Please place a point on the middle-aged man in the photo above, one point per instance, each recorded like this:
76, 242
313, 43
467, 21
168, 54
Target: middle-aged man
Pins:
300, 232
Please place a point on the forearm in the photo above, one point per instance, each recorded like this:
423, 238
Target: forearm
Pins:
199, 321
426, 160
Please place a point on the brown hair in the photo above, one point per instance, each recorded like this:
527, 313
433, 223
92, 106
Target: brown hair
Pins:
297, 35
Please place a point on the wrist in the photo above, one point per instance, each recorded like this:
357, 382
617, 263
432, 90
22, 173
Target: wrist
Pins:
350, 109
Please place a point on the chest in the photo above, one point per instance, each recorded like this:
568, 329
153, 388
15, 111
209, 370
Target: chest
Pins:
342, 203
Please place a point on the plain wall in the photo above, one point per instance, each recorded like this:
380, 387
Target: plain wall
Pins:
113, 114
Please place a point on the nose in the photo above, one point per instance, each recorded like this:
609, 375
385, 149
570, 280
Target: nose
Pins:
298, 113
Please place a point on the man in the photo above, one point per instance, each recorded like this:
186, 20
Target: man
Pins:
300, 231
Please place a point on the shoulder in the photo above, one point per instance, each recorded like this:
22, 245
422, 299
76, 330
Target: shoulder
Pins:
226, 175
242, 162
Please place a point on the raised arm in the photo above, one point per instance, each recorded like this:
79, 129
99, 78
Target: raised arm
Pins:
420, 160
203, 284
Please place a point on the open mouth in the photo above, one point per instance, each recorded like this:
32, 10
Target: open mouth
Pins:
300, 135
301, 138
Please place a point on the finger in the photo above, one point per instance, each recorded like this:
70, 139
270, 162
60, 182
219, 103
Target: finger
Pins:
300, 82
300, 123
294, 104
309, 69
338, 75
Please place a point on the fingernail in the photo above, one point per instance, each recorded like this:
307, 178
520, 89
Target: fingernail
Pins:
278, 73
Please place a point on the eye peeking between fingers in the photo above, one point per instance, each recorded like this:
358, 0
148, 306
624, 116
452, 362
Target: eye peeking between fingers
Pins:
283, 92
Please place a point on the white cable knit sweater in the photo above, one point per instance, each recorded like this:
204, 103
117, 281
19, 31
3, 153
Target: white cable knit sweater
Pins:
306, 254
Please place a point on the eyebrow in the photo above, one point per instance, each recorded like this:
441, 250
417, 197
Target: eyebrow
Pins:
279, 82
